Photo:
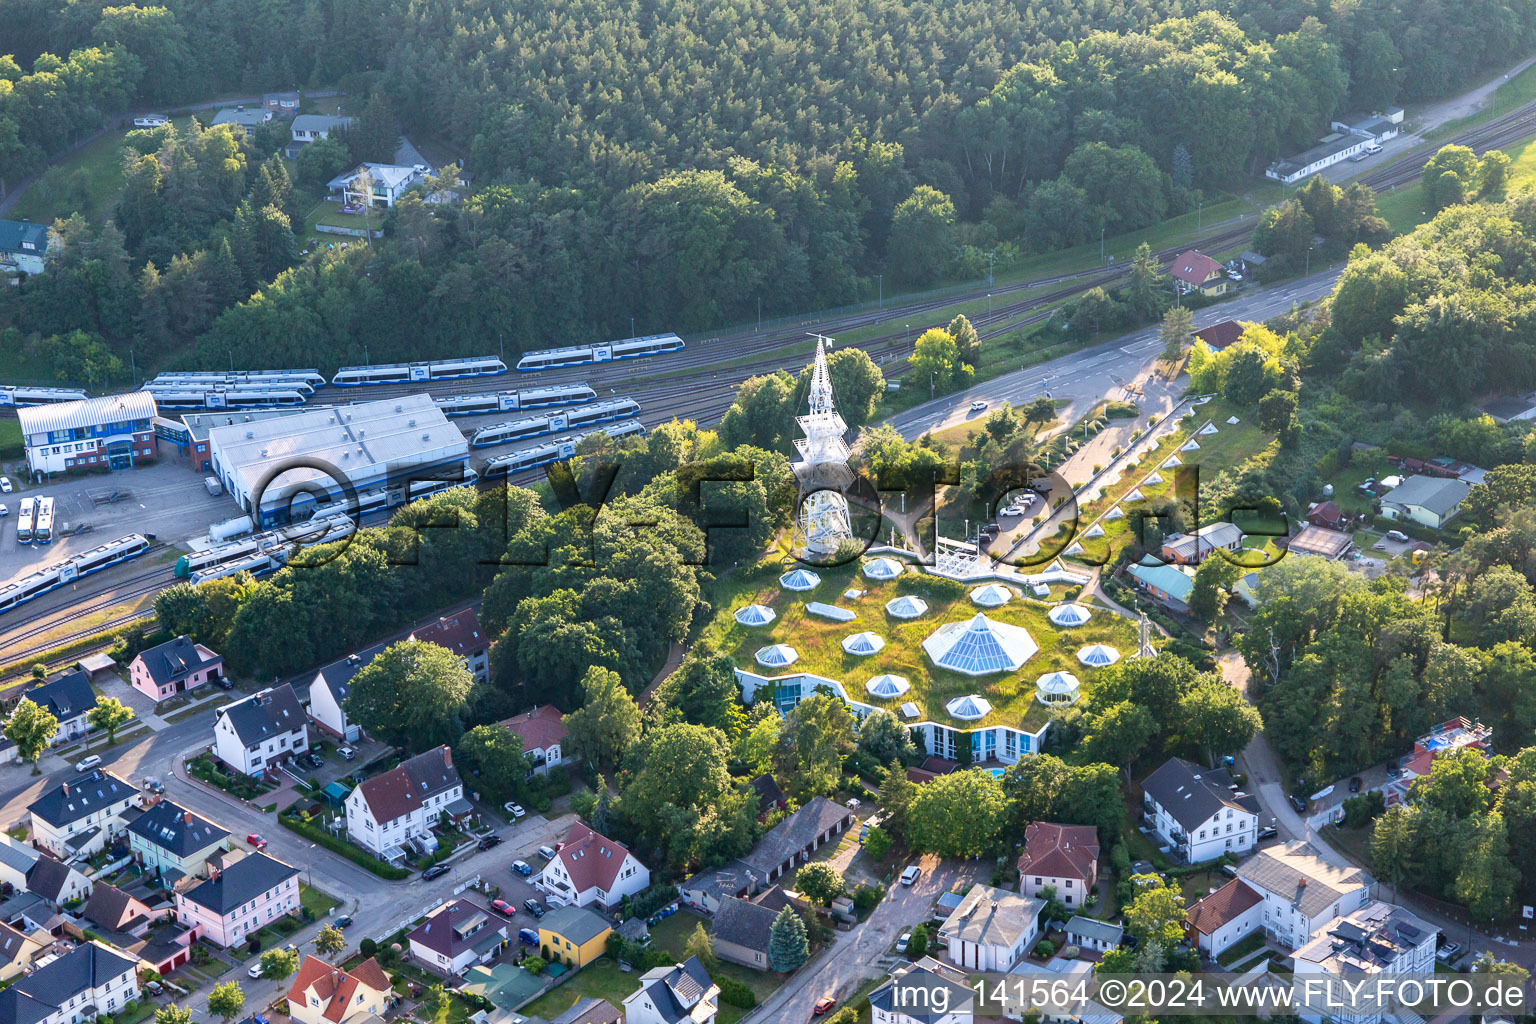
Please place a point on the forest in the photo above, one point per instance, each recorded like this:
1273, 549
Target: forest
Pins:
638, 161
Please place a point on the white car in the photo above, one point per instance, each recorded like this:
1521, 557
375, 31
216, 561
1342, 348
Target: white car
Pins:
1011, 510
911, 874
978, 405
6, 486
513, 809
5, 510
85, 764
901, 943
1397, 535
255, 970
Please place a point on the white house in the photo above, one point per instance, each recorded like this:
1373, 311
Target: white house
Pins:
1301, 891
456, 937
328, 693
90, 981
928, 992
23, 247
398, 808
1221, 919
1378, 939
674, 995
990, 929
386, 183
1060, 857
462, 634
68, 698
255, 733
309, 128
542, 731
1431, 501
1196, 811
78, 816
589, 868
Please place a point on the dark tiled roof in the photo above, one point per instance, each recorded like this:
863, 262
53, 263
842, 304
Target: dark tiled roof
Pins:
1219, 336
14, 232
673, 990
241, 882
173, 660
795, 833
410, 784
66, 697
460, 633
1223, 906
578, 924
338, 675
48, 878
106, 906
13, 945
75, 799
590, 1010
458, 926
261, 716
743, 923
1060, 851
768, 793
177, 830
1189, 793
85, 967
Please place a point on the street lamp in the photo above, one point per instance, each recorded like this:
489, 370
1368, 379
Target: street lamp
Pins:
1309, 261
880, 283
1101, 245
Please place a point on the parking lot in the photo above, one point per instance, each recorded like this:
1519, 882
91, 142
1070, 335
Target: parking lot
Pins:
166, 499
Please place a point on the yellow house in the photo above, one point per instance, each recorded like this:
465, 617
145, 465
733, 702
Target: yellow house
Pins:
574, 936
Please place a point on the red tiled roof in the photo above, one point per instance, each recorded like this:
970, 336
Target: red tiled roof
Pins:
1325, 514
1195, 267
540, 728
1059, 851
591, 859
335, 987
1219, 336
460, 633
403, 790
1224, 905
919, 776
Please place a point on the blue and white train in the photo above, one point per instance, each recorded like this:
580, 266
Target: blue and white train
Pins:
512, 401
70, 569
171, 398
553, 451
19, 395
408, 373
576, 355
548, 423
311, 378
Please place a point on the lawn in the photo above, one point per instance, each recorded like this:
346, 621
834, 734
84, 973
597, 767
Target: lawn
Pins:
818, 641
10, 440
318, 903
602, 980
672, 935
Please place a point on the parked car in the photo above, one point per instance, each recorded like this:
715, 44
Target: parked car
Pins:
347, 753
435, 871
1298, 803
823, 1005
314, 760
1397, 535
522, 867
1010, 511
5, 510
344, 922
911, 874
486, 842
255, 970
1268, 832
6, 486
1355, 784
86, 764
978, 405
528, 936
255, 840
533, 907
503, 908
1448, 952
901, 943
515, 810
547, 852
154, 988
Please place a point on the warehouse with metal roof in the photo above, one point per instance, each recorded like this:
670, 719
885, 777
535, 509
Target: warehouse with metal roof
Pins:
111, 432
290, 463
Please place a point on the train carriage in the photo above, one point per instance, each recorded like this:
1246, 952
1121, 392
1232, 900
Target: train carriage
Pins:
549, 423
172, 398
554, 451
407, 373
59, 573
19, 395
311, 377
577, 355
513, 401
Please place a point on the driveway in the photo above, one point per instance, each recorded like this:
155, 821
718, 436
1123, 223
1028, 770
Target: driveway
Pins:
851, 959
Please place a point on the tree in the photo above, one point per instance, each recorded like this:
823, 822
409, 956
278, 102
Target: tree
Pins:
917, 945
1277, 411
788, 946
322, 160
1247, 375
1119, 734
278, 964
967, 341
937, 357
173, 1014
857, 382
1176, 332
1156, 913
494, 755
923, 240
877, 841
817, 734
1395, 845
330, 941
109, 714
681, 799
226, 1001
703, 691
607, 724
1217, 717
1488, 963
1492, 172
883, 737
698, 945
1039, 411
973, 797
32, 728
412, 694
1212, 576
820, 882
1486, 882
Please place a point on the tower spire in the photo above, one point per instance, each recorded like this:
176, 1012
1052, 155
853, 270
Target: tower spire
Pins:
822, 471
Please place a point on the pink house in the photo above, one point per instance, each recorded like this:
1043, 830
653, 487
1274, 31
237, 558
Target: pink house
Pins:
239, 900
174, 667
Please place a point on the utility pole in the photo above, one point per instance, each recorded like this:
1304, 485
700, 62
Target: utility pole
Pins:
989, 303
1101, 246
1199, 213
880, 283
1309, 261
133, 368
759, 314
990, 280
503, 342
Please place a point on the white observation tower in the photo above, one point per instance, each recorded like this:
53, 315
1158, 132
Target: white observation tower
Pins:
822, 524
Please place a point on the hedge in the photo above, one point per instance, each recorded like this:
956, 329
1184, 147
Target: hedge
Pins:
737, 993
357, 856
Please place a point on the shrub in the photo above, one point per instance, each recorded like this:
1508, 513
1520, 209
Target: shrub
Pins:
535, 965
1120, 410
367, 947
1045, 949
736, 993
648, 901
865, 897
357, 856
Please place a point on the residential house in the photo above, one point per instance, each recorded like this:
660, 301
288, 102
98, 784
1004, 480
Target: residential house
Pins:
740, 932
456, 937
672, 995
1221, 919
1506, 409
172, 842
591, 869
399, 808
257, 732
543, 733
245, 121
322, 993
134, 926
1429, 501
67, 698
1331, 149
1302, 891
23, 247
1326, 514
282, 104
1194, 271
1378, 939
1170, 584
770, 797
991, 929
1092, 934
1322, 542
503, 985
1196, 811
375, 184
781, 851
241, 899
76, 817
16, 860
173, 667
90, 981
462, 634
18, 950
1193, 548
57, 882
1220, 336
1060, 857
928, 992
574, 936
591, 1010
308, 128
328, 693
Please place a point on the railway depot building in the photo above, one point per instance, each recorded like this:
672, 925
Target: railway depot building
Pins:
112, 432
378, 448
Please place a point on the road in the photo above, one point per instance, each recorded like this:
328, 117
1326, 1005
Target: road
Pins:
1092, 372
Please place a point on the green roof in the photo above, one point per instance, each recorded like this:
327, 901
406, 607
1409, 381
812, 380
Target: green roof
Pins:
503, 984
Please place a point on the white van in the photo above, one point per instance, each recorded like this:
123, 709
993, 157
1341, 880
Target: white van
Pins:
1373, 149
911, 874
150, 121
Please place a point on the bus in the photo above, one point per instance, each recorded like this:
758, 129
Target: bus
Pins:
24, 521
43, 533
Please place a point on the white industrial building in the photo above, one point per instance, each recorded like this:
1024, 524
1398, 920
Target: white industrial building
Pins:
112, 432
378, 448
